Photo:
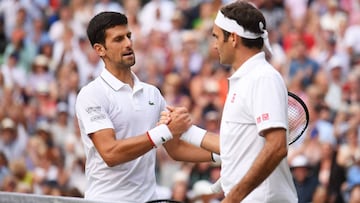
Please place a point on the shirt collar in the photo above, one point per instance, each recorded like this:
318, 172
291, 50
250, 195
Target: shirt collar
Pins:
117, 84
248, 65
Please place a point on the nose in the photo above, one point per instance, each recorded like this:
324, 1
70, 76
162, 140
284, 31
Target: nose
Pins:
128, 41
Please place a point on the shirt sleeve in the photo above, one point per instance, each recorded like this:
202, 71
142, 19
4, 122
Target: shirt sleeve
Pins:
270, 103
91, 111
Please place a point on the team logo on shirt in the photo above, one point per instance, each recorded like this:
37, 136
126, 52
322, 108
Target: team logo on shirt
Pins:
263, 117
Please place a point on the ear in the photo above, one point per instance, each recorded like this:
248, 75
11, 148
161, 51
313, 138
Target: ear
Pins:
234, 39
100, 49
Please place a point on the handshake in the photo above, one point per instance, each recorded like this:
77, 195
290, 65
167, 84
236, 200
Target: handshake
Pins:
176, 123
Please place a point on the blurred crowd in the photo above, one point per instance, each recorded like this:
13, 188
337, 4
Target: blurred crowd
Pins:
45, 58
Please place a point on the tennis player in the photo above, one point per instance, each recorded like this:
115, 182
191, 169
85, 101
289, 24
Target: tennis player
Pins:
253, 141
118, 115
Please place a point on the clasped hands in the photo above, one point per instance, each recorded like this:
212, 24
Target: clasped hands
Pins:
177, 119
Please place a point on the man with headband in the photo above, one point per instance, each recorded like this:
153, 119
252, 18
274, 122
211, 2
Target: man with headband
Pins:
253, 142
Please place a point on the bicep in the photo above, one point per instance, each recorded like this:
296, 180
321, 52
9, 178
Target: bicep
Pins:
103, 140
276, 138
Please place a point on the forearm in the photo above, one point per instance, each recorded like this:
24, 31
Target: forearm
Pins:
116, 152
182, 151
211, 142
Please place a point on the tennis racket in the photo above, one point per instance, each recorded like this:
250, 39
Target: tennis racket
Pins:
298, 116
163, 201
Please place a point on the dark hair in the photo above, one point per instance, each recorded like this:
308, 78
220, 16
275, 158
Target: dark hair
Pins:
246, 15
101, 22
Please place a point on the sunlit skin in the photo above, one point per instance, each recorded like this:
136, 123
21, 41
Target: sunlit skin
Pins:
117, 52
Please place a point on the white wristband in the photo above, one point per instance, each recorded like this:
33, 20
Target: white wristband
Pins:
215, 157
194, 135
159, 135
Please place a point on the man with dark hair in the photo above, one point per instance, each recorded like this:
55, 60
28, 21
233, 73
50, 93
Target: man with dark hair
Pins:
254, 124
118, 115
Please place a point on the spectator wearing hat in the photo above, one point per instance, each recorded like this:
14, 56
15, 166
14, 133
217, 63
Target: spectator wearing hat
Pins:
179, 190
333, 16
335, 71
42, 87
305, 179
12, 143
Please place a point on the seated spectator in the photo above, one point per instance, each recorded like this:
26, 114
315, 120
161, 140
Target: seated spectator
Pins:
305, 179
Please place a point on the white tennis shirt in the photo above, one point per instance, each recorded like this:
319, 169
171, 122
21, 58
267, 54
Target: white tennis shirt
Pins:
107, 102
257, 100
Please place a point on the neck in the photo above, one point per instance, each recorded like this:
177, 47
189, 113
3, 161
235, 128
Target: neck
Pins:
123, 74
242, 56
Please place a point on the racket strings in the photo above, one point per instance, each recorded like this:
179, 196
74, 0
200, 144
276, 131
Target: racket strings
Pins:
297, 118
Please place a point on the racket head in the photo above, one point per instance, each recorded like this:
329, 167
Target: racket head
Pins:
298, 115
163, 201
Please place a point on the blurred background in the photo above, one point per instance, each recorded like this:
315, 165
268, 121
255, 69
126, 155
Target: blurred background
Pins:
45, 58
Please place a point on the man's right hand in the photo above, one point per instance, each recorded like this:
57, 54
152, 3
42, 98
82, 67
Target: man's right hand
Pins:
179, 121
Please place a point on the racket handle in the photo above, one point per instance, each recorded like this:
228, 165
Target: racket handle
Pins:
216, 187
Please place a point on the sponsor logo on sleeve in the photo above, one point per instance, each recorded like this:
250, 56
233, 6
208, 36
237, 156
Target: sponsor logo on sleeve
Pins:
263, 117
97, 117
93, 109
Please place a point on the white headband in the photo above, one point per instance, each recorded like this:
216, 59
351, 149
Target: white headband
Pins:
231, 25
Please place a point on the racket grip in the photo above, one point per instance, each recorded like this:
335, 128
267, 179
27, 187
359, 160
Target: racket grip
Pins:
216, 187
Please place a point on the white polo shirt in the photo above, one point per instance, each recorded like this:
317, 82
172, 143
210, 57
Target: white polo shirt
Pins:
107, 102
257, 100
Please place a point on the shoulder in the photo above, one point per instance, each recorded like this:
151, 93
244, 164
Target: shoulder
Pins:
265, 69
93, 89
150, 87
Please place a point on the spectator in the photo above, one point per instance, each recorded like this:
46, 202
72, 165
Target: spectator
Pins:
332, 95
14, 75
65, 21
202, 192
332, 18
11, 142
61, 126
107, 5
351, 40
335, 71
26, 51
179, 188
23, 176
156, 13
353, 182
301, 64
4, 168
305, 179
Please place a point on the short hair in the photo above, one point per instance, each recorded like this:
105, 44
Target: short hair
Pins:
246, 15
101, 22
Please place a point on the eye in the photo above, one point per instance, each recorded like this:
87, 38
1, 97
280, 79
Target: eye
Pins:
129, 35
119, 39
